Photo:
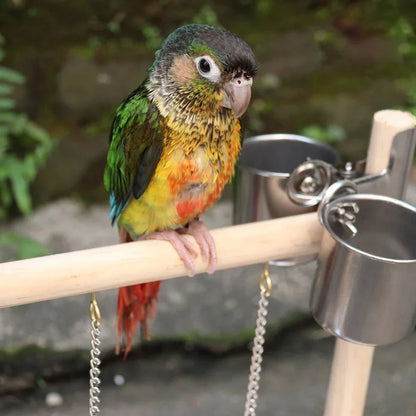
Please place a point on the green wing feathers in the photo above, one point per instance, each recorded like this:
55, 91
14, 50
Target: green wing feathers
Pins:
136, 143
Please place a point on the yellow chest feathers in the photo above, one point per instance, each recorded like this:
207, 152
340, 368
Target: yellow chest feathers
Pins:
194, 167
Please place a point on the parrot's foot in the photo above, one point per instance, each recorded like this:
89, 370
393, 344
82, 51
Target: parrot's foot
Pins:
185, 249
205, 241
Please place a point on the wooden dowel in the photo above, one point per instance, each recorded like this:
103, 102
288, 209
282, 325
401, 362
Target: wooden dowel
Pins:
386, 125
351, 365
350, 374
74, 273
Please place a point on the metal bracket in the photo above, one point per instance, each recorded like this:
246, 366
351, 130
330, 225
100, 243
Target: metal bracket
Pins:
310, 180
344, 213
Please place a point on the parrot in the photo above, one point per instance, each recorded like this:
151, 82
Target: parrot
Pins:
174, 143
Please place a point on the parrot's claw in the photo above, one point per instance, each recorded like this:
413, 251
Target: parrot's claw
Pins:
185, 249
205, 241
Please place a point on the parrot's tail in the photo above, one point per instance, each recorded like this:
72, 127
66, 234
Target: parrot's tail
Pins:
136, 304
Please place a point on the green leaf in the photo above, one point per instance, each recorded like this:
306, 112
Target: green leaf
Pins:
5, 199
206, 16
335, 133
20, 189
6, 104
18, 134
329, 134
114, 26
10, 165
8, 117
25, 247
314, 131
36, 133
29, 166
152, 36
10, 75
4, 144
4, 132
6, 89
20, 122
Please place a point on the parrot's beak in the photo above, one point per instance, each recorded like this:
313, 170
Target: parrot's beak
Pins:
238, 94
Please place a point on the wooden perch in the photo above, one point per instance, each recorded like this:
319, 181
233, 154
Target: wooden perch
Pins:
78, 272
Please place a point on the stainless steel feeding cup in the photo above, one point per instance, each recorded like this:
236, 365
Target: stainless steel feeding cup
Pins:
262, 176
365, 285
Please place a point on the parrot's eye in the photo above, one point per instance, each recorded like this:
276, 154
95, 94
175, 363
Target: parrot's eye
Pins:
204, 66
207, 67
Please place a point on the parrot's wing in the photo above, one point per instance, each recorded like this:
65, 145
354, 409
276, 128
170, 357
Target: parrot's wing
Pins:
136, 143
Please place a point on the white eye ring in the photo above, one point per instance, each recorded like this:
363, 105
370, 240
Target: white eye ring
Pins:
207, 67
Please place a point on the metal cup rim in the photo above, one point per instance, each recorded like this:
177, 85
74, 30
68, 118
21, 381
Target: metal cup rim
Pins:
279, 137
373, 197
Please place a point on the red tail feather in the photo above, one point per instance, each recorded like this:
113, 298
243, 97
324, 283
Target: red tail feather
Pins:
136, 304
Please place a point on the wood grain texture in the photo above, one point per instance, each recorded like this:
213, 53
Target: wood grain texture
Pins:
74, 273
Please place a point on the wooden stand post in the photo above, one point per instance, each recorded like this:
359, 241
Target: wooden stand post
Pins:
351, 365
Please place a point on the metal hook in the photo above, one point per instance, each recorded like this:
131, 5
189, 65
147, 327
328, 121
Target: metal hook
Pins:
266, 281
95, 310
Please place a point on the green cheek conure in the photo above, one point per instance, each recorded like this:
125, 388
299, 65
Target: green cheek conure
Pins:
173, 146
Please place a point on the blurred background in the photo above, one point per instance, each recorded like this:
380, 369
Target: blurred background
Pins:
325, 68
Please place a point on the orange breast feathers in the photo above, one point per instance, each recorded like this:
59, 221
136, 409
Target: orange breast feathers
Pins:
198, 179
188, 179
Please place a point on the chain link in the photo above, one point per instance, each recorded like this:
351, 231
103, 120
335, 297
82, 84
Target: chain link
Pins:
95, 361
257, 351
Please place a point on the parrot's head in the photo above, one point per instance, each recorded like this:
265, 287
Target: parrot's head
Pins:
204, 70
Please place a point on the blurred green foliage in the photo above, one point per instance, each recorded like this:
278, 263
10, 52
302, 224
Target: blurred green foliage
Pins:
329, 134
24, 146
404, 36
23, 246
206, 16
401, 31
152, 36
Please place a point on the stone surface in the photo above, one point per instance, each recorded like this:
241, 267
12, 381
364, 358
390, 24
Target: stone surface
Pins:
294, 379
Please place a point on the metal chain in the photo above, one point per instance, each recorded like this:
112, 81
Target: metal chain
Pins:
95, 361
257, 351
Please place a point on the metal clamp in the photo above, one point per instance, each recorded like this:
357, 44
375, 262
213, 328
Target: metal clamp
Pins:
345, 213
309, 181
